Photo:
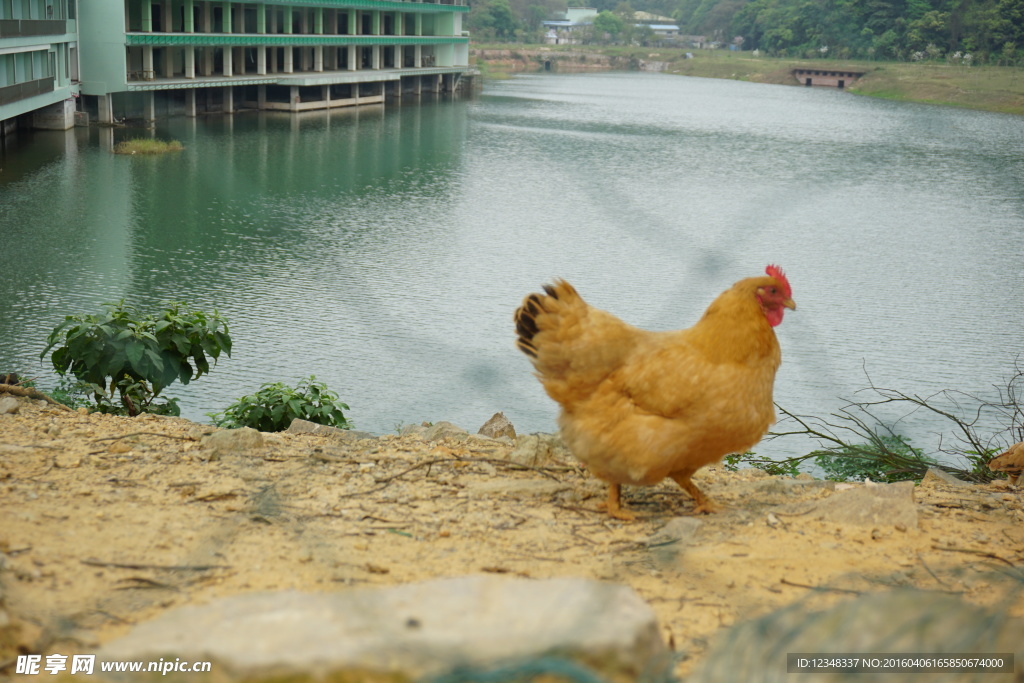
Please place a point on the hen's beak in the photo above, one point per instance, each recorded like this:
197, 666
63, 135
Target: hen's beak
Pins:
789, 303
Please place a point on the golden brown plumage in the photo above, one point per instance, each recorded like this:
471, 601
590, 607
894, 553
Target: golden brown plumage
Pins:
639, 406
1011, 462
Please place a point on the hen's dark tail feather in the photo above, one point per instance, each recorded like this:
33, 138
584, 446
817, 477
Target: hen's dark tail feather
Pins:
526, 319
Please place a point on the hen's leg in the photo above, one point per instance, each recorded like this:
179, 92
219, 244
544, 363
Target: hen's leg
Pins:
703, 504
614, 504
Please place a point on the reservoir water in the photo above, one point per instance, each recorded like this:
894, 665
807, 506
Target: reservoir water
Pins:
384, 250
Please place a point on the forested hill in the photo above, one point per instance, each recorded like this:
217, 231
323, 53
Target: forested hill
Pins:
960, 31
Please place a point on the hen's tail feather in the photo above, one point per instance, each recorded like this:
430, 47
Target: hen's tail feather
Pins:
526, 315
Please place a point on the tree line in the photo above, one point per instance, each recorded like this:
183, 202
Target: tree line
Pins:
964, 31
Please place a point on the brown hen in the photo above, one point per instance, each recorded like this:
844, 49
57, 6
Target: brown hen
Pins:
639, 406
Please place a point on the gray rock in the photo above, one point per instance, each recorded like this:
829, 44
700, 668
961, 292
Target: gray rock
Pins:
406, 632
445, 430
936, 476
498, 426
9, 404
232, 440
669, 542
875, 505
516, 488
901, 622
538, 450
306, 427
418, 430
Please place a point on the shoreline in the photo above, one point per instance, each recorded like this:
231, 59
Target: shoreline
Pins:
998, 89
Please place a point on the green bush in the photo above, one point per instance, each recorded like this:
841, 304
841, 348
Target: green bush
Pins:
273, 407
137, 356
886, 458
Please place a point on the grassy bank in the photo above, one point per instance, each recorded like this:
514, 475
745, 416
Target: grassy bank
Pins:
988, 88
147, 146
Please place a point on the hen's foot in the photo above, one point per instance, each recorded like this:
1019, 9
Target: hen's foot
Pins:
614, 504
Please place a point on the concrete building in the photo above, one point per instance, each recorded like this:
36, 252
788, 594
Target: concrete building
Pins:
38, 63
150, 58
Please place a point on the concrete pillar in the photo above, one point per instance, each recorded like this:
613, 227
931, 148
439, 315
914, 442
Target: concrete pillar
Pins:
318, 58
325, 95
417, 59
261, 97
147, 62
399, 24
239, 20
226, 16
375, 23
167, 63
238, 60
190, 17
293, 98
419, 24
58, 116
106, 109
353, 58
190, 102
318, 20
147, 16
272, 58
149, 106
353, 22
289, 59
166, 19
375, 57
207, 66
190, 62
229, 100
287, 24
261, 18
228, 70
272, 20
261, 61
206, 18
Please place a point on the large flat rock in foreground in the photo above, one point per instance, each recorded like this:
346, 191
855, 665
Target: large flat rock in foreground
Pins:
408, 632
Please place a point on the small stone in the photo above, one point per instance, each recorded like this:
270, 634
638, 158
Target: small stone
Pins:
936, 476
538, 450
498, 426
445, 430
233, 440
9, 405
67, 460
881, 505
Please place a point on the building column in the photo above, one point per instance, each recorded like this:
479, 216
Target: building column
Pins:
166, 17
238, 60
419, 25
287, 24
353, 24
228, 70
261, 97
261, 61
318, 58
417, 59
375, 57
353, 58
106, 108
261, 18
167, 63
293, 98
226, 17
190, 17
229, 100
147, 62
289, 59
207, 64
318, 20
190, 62
147, 16
190, 102
205, 18
149, 106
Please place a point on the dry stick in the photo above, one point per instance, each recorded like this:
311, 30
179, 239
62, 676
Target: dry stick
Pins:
929, 569
125, 436
971, 551
168, 567
32, 393
787, 582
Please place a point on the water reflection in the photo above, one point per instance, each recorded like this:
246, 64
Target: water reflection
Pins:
384, 249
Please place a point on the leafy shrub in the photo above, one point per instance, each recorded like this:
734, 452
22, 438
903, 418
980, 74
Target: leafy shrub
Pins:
886, 458
789, 467
137, 356
273, 407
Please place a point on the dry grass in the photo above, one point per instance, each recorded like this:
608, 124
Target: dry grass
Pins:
147, 146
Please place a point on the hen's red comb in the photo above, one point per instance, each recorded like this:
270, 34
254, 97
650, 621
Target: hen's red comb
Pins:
776, 272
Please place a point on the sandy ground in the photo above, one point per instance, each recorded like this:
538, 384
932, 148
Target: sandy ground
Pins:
107, 521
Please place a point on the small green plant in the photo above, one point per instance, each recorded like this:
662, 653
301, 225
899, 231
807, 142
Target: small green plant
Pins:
71, 392
789, 467
273, 407
147, 146
127, 358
